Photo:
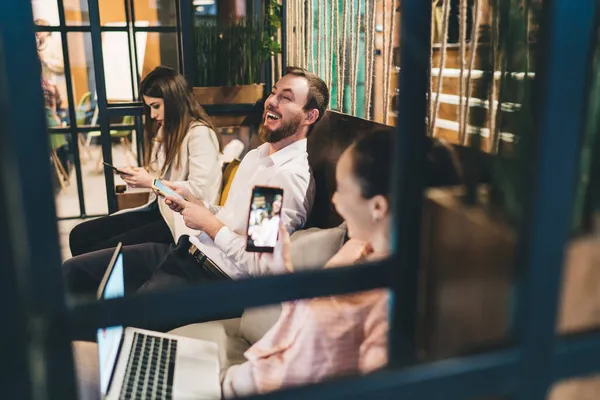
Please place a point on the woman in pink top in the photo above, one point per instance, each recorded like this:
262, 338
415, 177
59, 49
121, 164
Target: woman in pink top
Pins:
323, 338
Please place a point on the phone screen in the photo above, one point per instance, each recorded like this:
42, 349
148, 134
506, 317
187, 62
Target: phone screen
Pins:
164, 190
263, 220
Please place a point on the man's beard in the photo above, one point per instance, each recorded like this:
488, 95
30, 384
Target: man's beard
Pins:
287, 129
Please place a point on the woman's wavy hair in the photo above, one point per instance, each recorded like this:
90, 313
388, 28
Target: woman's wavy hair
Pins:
181, 110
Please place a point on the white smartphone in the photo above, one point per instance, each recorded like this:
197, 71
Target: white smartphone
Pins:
164, 190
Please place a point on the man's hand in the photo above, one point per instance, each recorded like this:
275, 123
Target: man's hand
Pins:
196, 216
183, 191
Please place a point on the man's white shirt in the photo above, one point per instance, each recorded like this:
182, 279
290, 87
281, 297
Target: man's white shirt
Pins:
287, 169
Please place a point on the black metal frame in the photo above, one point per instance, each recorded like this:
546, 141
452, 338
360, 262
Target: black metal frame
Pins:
106, 111
34, 310
35, 318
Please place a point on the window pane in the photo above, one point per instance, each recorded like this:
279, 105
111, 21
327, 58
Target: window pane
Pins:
124, 152
153, 49
112, 12
155, 13
156, 49
76, 12
82, 76
64, 182
53, 78
117, 67
124, 142
45, 12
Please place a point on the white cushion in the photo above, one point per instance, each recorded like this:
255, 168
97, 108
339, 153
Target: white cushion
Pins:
311, 249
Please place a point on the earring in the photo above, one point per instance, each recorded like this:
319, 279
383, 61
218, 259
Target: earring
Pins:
375, 218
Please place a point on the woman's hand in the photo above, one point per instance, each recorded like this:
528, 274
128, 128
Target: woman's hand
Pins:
282, 253
137, 177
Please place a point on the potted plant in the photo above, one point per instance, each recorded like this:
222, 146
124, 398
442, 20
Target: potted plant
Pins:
231, 58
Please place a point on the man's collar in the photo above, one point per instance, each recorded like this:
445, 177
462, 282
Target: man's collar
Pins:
284, 155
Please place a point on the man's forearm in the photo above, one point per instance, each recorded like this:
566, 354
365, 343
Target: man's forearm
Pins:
212, 226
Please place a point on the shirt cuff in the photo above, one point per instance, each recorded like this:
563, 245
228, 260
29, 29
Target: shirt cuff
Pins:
211, 207
224, 237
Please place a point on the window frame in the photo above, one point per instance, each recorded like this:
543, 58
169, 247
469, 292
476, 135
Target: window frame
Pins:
525, 369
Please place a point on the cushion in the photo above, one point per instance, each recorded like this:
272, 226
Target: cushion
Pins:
311, 249
228, 175
225, 333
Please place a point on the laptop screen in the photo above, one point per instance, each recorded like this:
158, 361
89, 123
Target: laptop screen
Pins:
109, 339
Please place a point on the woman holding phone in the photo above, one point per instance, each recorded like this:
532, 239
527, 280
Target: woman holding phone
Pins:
341, 335
182, 146
328, 337
324, 338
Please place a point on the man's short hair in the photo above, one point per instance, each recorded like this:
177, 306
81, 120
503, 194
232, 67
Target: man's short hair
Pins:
318, 92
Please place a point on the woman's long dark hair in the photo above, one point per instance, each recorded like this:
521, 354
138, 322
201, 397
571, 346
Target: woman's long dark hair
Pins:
372, 162
181, 110
373, 166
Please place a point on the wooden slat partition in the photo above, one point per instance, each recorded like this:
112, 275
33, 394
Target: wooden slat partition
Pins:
447, 118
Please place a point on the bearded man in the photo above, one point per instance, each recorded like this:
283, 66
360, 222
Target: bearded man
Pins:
296, 103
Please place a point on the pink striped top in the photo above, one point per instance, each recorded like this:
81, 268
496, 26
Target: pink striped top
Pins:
317, 339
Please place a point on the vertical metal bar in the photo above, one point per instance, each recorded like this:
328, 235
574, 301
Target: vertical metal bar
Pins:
186, 22
268, 64
72, 110
135, 52
129, 21
29, 219
569, 28
283, 35
415, 42
94, 13
185, 40
13, 301
139, 127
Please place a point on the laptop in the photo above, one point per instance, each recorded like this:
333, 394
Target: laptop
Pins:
141, 364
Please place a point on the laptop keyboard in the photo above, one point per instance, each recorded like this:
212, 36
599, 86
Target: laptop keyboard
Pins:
150, 368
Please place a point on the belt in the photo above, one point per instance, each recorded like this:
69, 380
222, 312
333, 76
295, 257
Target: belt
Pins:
207, 264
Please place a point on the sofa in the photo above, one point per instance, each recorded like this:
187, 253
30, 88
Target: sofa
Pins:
311, 249
325, 233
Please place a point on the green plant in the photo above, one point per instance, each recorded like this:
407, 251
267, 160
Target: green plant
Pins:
273, 24
236, 54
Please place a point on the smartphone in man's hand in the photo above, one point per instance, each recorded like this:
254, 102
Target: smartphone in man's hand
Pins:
263, 220
164, 190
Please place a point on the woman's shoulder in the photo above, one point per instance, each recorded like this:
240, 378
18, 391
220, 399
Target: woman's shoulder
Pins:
352, 251
198, 135
197, 128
